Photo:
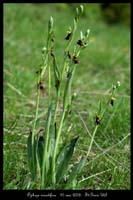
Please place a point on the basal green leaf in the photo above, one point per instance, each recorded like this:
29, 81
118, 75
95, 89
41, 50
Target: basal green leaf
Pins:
76, 170
64, 159
29, 149
40, 149
52, 138
32, 155
45, 164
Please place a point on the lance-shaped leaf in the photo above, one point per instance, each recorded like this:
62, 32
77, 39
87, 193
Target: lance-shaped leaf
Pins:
31, 151
52, 138
64, 159
76, 170
47, 136
49, 173
40, 149
45, 164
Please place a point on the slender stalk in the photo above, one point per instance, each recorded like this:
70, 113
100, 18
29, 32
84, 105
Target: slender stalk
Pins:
56, 105
59, 92
92, 139
55, 148
36, 115
34, 127
94, 175
95, 130
45, 60
44, 163
49, 84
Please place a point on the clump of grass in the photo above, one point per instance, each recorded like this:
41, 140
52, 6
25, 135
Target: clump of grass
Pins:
48, 162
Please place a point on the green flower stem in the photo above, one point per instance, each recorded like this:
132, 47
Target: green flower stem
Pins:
92, 140
56, 105
96, 127
45, 155
49, 84
91, 143
34, 126
36, 115
49, 71
45, 60
59, 92
56, 147
63, 69
60, 128
95, 130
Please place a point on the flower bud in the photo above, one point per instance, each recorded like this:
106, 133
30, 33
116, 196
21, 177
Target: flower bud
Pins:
81, 9
75, 59
50, 23
80, 43
114, 87
74, 95
87, 32
44, 49
77, 11
118, 84
81, 35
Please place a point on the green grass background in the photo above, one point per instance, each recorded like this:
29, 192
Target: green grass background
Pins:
105, 61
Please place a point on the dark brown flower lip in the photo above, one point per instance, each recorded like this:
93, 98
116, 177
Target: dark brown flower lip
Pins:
75, 59
41, 138
40, 85
97, 120
69, 55
57, 83
68, 36
52, 53
68, 74
80, 43
112, 100
39, 71
52, 39
41, 129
